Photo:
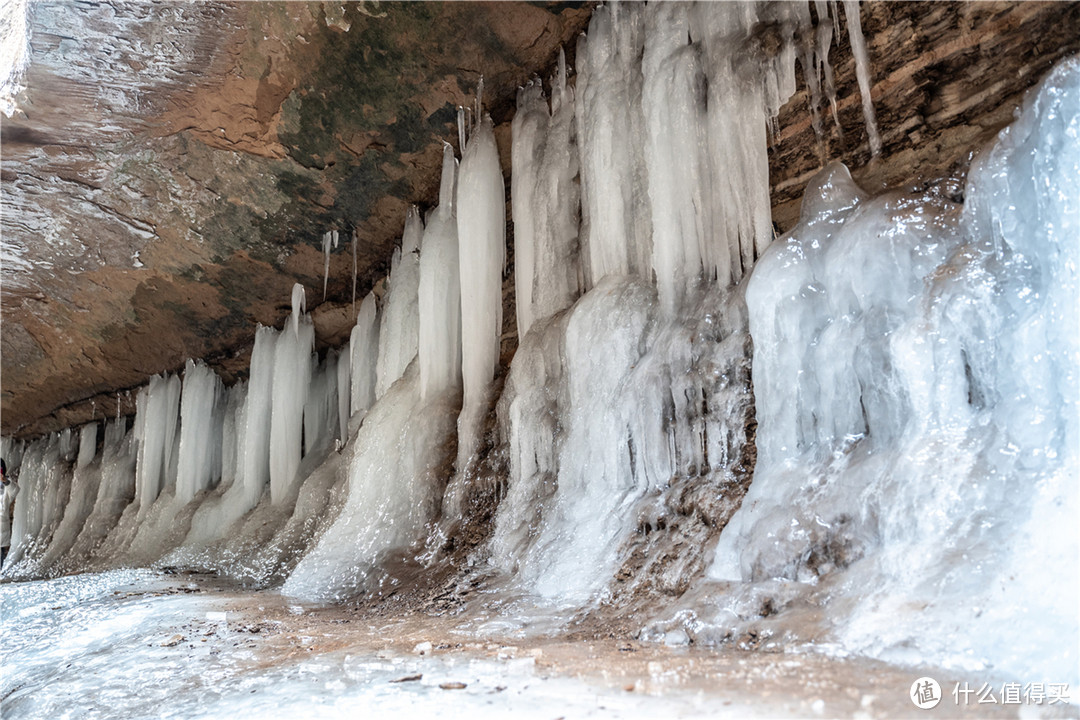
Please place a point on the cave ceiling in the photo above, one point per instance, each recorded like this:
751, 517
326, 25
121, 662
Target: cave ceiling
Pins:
172, 166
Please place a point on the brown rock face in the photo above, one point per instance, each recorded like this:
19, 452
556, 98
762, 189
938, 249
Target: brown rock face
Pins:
175, 164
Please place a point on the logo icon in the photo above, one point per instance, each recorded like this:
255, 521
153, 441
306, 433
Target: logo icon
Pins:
925, 693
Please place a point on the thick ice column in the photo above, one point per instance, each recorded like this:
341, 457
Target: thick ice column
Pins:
440, 291
254, 435
400, 320
201, 416
292, 375
158, 407
364, 353
481, 230
862, 72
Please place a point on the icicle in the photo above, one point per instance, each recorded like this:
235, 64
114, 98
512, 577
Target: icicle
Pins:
353, 244
299, 306
824, 33
461, 127
326, 240
862, 72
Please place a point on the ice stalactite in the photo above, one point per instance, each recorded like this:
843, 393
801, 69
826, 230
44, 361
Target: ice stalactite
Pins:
439, 292
481, 232
862, 72
330, 239
823, 40
363, 354
292, 372
399, 325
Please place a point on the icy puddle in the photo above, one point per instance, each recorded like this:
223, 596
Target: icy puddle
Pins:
139, 644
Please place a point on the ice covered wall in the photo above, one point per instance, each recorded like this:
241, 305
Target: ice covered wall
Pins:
918, 399
642, 382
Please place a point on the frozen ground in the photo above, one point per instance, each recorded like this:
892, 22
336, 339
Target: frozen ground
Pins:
135, 644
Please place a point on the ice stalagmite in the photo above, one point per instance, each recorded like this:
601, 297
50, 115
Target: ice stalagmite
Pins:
292, 374
399, 325
481, 231
439, 293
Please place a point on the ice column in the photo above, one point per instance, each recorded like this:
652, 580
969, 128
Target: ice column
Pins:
292, 375
158, 406
254, 425
201, 416
400, 321
481, 231
440, 291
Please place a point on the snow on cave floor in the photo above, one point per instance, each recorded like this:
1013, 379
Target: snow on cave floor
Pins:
139, 643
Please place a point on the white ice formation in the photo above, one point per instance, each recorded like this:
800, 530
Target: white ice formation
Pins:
911, 361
